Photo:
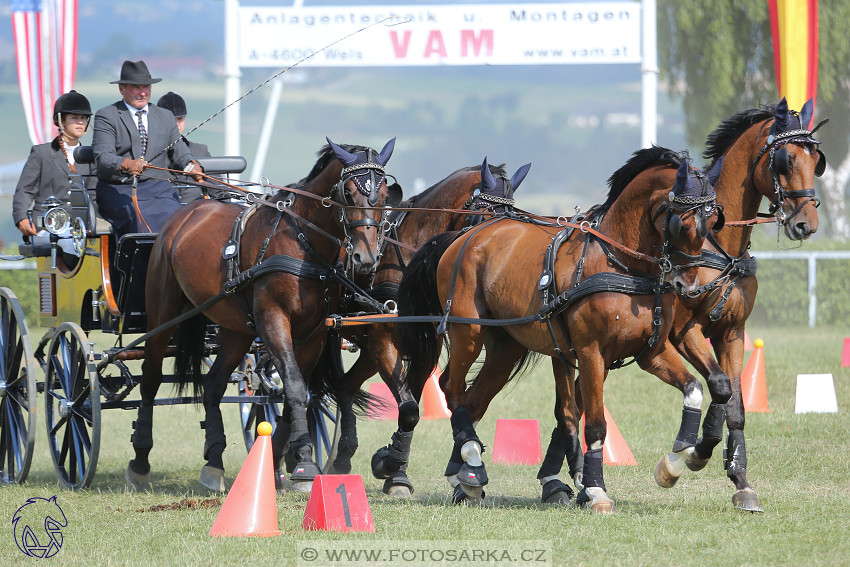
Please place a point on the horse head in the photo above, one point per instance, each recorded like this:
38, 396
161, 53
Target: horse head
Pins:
690, 211
362, 193
793, 162
494, 193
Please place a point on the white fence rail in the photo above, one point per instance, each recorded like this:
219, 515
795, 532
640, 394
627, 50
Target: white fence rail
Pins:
811, 258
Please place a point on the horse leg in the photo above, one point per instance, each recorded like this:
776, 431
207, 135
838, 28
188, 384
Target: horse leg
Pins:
362, 369
591, 376
230, 354
274, 329
465, 471
694, 348
730, 352
390, 462
670, 368
564, 442
137, 475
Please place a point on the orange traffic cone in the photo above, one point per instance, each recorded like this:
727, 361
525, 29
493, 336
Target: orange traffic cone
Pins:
250, 508
615, 450
748, 344
753, 382
433, 400
845, 354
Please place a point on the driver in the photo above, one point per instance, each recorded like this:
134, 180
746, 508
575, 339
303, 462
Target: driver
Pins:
130, 136
50, 169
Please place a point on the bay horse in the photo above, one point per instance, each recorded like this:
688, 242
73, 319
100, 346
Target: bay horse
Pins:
410, 229
275, 261
489, 284
770, 153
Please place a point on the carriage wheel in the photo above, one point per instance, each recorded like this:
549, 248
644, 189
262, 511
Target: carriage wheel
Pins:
321, 421
17, 391
72, 406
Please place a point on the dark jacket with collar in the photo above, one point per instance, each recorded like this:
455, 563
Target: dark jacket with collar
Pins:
45, 173
116, 137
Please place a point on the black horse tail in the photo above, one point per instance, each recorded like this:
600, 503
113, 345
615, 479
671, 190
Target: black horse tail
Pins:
327, 380
420, 346
189, 341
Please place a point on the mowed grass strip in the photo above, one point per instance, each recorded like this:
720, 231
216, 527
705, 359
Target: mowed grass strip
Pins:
798, 464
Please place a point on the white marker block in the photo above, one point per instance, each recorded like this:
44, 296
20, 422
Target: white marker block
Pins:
816, 393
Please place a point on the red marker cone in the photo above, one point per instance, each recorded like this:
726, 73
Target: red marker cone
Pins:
383, 393
517, 441
433, 400
250, 508
338, 502
753, 381
615, 450
845, 354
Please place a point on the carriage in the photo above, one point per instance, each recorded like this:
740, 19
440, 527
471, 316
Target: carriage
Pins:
98, 289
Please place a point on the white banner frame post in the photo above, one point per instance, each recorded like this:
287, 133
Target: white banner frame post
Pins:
455, 43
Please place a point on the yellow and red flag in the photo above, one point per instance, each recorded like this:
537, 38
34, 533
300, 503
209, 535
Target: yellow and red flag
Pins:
794, 27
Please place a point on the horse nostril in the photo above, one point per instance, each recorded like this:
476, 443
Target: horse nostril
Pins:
803, 229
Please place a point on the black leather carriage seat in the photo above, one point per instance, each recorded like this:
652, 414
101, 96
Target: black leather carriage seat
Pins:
223, 165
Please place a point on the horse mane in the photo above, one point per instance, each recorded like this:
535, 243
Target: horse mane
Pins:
326, 156
639, 162
415, 200
731, 129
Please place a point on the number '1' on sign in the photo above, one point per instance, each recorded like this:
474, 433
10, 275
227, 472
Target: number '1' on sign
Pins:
338, 503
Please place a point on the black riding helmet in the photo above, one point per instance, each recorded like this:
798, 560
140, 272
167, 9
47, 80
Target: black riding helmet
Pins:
173, 102
71, 102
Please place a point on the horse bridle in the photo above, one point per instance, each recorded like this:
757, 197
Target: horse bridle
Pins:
367, 178
779, 164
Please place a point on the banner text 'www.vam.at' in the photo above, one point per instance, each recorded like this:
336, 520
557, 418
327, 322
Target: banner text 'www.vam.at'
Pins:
471, 34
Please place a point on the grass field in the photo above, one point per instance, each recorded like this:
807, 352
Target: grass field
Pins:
798, 464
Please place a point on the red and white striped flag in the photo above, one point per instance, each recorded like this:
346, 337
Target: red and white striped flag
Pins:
46, 54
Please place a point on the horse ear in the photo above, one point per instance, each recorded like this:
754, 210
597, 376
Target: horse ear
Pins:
519, 176
342, 155
681, 178
781, 117
386, 153
394, 195
487, 179
714, 174
806, 114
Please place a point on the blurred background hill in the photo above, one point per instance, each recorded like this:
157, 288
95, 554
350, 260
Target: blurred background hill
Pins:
575, 124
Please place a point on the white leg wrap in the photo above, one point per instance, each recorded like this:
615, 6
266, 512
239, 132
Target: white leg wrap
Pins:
546, 479
453, 481
694, 399
596, 445
471, 453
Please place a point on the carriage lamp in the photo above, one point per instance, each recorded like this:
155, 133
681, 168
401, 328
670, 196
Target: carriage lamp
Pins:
55, 219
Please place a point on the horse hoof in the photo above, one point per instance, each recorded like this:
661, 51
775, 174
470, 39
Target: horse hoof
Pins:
474, 492
302, 486
461, 497
136, 482
399, 491
556, 492
596, 499
665, 473
212, 478
398, 486
695, 463
746, 500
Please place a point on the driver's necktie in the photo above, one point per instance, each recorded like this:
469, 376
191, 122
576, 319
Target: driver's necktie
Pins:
143, 134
